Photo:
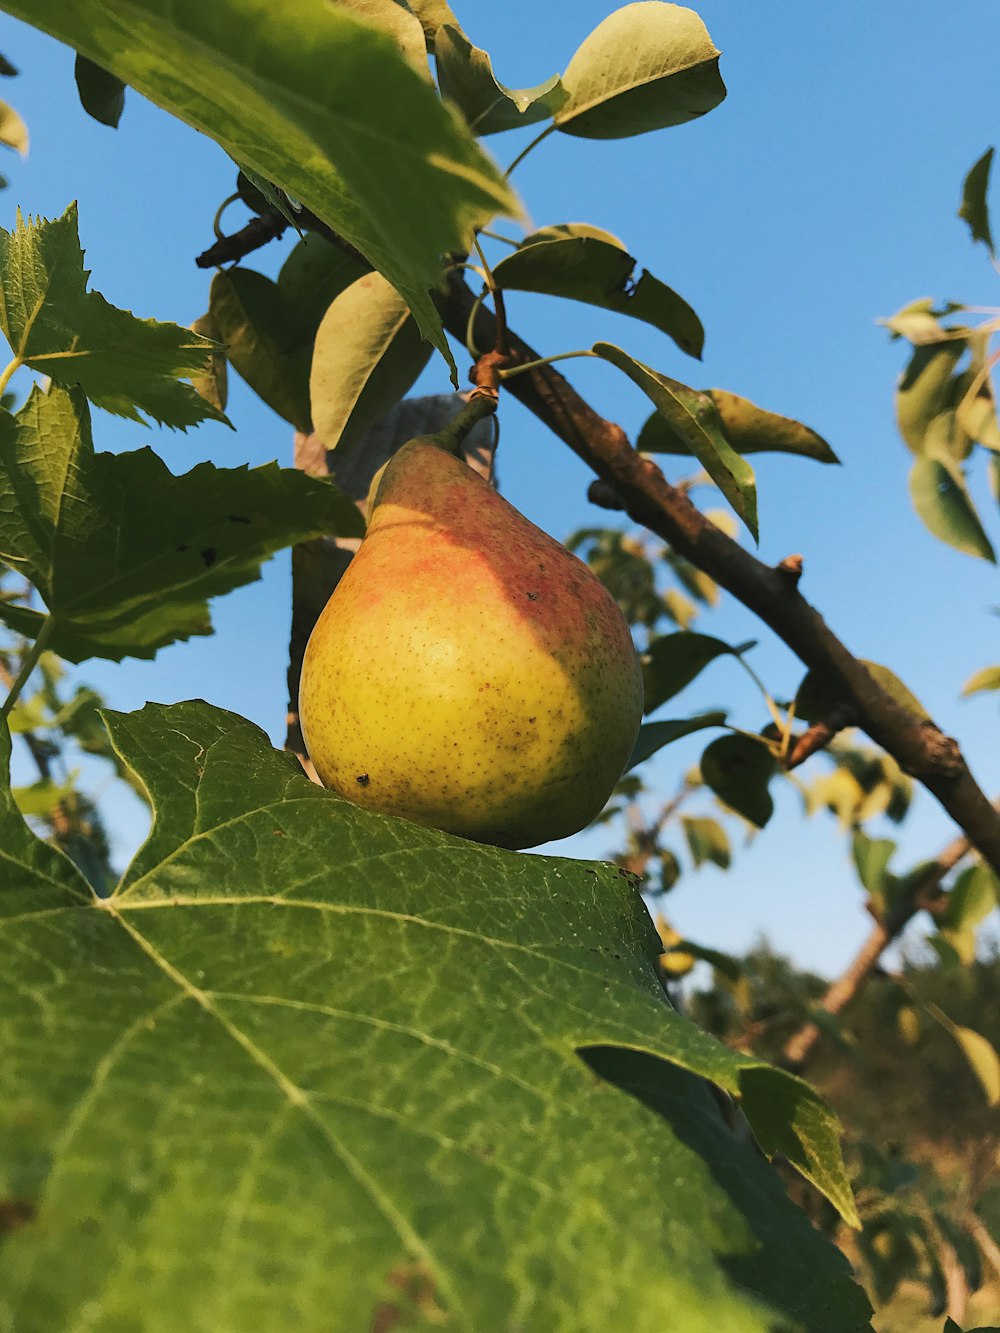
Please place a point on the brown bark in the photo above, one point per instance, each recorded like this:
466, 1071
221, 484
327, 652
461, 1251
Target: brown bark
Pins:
919, 747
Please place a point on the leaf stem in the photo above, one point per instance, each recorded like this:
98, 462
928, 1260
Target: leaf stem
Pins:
525, 151
497, 236
499, 309
772, 707
217, 220
470, 337
9, 371
28, 664
542, 361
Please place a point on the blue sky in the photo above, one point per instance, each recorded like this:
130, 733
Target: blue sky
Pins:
819, 196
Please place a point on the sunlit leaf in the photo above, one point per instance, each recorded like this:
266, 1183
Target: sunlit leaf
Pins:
871, 858
367, 355
979, 1052
987, 679
942, 501
13, 131
747, 427
465, 74
645, 67
694, 420
926, 389
583, 264
54, 325
124, 554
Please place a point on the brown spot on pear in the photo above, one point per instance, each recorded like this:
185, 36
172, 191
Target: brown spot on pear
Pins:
430, 609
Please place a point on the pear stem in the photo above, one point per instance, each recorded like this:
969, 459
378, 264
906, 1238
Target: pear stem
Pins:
482, 403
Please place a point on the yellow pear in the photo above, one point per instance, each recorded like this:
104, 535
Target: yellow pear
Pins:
468, 673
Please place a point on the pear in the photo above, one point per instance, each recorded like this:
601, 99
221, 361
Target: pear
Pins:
468, 673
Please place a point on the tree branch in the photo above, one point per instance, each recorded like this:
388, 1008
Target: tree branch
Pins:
918, 746
841, 992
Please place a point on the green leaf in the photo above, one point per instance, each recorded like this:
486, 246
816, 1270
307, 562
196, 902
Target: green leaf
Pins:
465, 75
722, 962
673, 661
871, 858
13, 131
583, 264
101, 94
987, 679
738, 770
367, 355
818, 696
974, 209
645, 67
926, 389
265, 341
942, 501
213, 383
972, 898
433, 15
919, 322
123, 553
654, 736
695, 421
980, 1053
322, 104
7, 70
397, 19
707, 841
268, 1035
747, 427
54, 325
789, 1117
41, 797
314, 274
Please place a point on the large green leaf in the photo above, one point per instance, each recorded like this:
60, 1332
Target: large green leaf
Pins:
942, 501
694, 420
585, 264
974, 208
316, 100
747, 427
123, 553
367, 355
465, 73
384, 1070
645, 67
58, 328
674, 660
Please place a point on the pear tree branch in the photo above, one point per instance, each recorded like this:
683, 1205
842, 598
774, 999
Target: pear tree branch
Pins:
917, 744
